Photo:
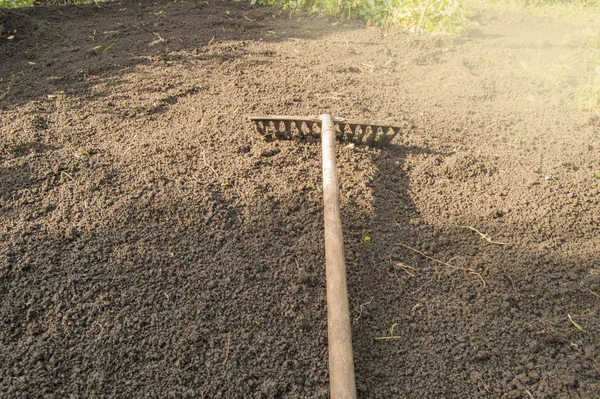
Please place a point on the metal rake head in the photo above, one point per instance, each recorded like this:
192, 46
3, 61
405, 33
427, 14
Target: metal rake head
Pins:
357, 132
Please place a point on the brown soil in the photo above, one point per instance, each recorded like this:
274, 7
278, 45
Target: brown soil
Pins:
152, 245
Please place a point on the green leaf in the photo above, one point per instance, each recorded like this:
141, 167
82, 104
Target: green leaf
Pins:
577, 326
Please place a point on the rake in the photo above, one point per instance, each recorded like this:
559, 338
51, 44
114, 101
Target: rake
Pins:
342, 384
357, 132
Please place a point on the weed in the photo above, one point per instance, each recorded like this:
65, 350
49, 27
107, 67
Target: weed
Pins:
588, 95
391, 336
577, 326
597, 175
583, 69
540, 3
484, 236
109, 47
16, 3
437, 16
31, 3
81, 153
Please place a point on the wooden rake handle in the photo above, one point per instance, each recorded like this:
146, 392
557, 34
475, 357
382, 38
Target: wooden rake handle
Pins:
341, 364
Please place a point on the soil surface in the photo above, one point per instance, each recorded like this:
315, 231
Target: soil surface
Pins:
153, 245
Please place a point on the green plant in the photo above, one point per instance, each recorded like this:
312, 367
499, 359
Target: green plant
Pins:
575, 324
16, 3
588, 95
31, 3
539, 3
438, 16
391, 336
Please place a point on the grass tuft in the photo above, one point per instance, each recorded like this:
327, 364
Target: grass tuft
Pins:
31, 3
435, 16
540, 3
588, 96
16, 3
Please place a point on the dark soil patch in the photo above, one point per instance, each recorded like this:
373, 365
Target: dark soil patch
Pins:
151, 245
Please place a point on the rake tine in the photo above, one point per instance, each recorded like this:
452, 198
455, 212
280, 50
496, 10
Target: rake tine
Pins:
389, 137
262, 128
379, 136
300, 127
380, 142
316, 130
293, 127
359, 136
288, 129
350, 129
339, 131
278, 132
371, 136
357, 132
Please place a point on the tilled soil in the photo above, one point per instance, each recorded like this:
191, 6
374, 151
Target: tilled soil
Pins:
152, 245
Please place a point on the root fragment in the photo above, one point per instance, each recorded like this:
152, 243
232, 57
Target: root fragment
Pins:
407, 269
362, 305
466, 270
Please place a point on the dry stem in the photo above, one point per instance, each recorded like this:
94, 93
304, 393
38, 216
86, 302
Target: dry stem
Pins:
362, 305
406, 268
484, 236
466, 270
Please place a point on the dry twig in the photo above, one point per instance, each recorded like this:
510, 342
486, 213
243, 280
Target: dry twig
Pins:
227, 345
